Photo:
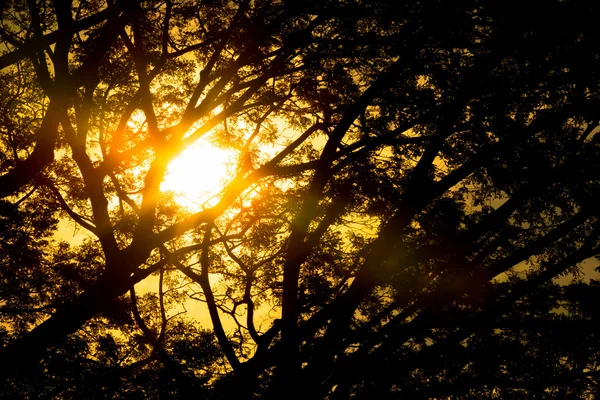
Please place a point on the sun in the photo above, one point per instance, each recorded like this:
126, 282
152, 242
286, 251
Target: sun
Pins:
199, 173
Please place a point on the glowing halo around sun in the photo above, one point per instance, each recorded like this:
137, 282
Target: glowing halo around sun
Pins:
199, 173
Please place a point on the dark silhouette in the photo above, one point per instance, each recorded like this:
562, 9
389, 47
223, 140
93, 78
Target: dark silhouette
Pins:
411, 180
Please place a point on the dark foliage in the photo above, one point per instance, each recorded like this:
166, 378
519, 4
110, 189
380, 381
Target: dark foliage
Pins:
410, 208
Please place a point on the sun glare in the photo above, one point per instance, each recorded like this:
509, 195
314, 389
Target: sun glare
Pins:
199, 173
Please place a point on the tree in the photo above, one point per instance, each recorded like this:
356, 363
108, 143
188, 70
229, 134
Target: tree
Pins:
409, 180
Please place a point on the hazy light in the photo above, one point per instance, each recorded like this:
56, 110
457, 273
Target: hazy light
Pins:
199, 173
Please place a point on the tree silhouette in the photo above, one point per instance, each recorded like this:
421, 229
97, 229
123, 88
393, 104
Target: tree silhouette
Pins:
409, 181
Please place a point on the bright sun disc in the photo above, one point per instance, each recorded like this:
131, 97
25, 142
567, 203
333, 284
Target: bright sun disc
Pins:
198, 173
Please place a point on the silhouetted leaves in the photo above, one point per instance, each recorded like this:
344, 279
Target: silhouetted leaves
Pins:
409, 208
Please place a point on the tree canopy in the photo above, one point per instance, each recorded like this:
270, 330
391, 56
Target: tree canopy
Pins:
409, 208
